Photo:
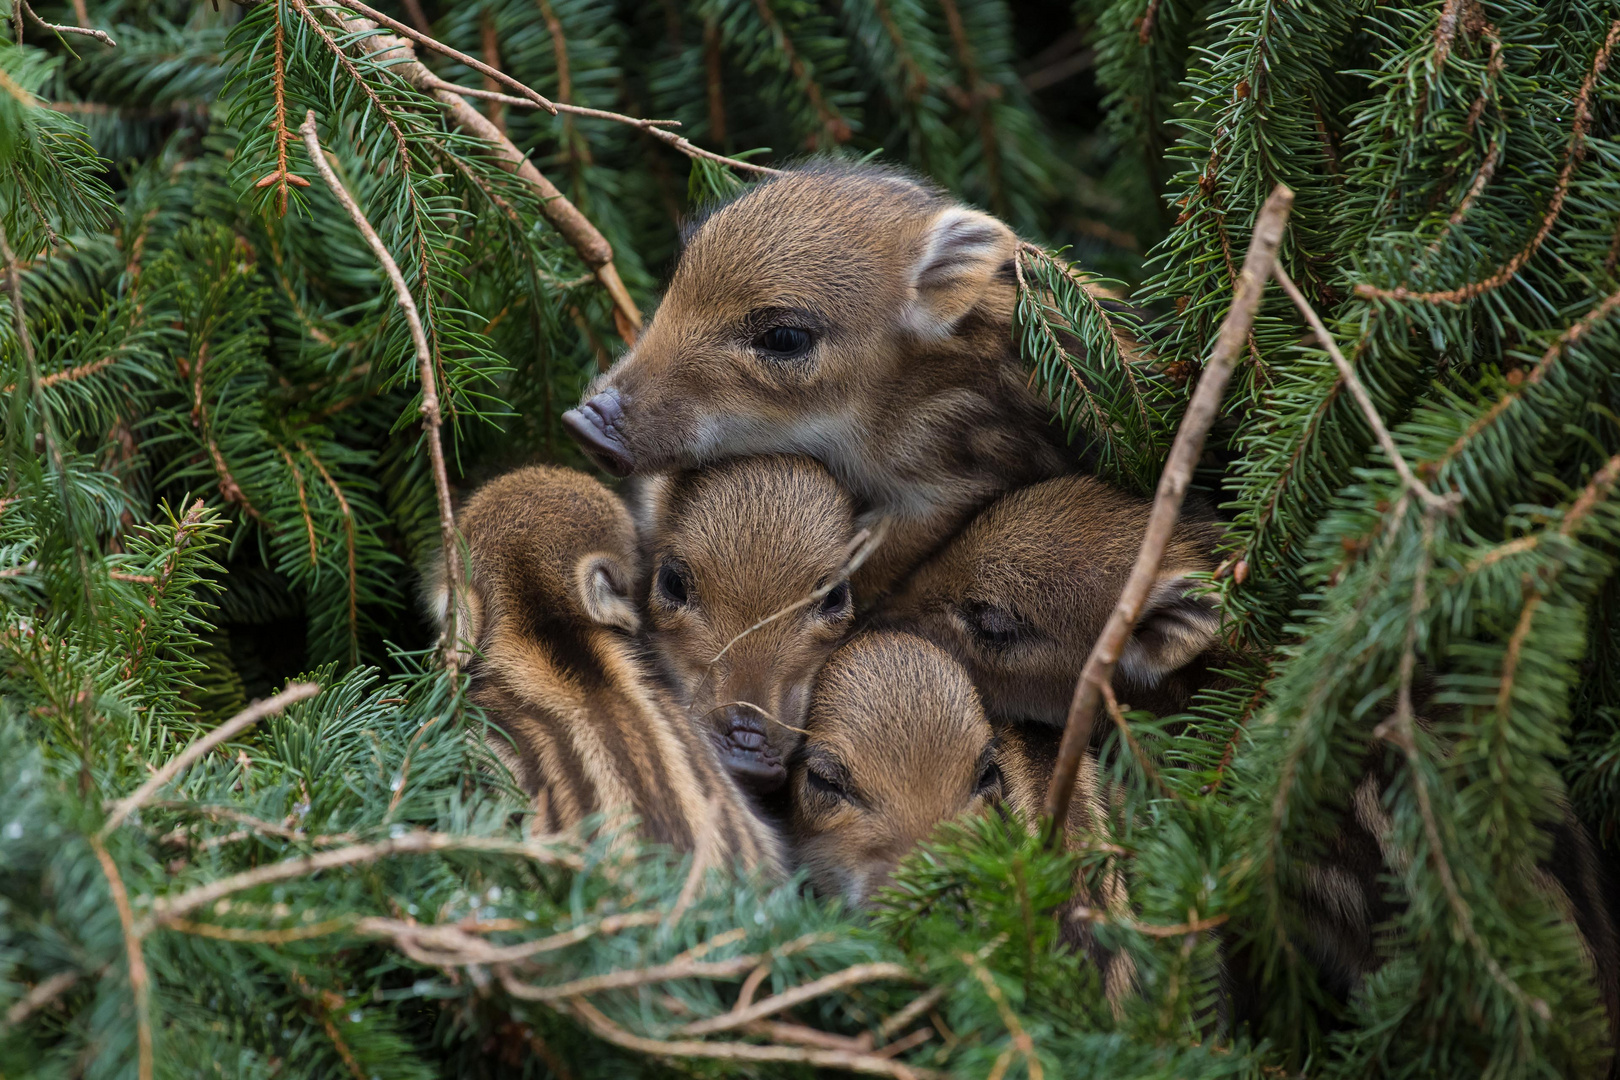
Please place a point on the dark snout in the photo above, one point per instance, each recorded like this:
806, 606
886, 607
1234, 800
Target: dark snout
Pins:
596, 426
746, 753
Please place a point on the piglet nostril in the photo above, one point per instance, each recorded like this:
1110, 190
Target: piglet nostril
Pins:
596, 426
746, 752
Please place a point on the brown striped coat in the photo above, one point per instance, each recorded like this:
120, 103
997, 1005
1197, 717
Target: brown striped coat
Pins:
557, 669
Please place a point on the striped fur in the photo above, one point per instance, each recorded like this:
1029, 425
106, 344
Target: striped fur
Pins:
897, 743
735, 551
1021, 595
559, 674
910, 389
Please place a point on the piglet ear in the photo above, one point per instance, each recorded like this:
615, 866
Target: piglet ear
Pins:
604, 593
1175, 628
962, 251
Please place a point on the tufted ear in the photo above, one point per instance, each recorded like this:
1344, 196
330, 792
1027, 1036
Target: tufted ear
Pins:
961, 252
604, 592
1175, 628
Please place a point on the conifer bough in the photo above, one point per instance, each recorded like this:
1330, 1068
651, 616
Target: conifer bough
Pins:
1098, 673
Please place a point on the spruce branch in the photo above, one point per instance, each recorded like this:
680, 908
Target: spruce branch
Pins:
437, 46
283, 176
656, 128
563, 215
433, 421
1572, 158
1359, 392
179, 763
1400, 729
1184, 453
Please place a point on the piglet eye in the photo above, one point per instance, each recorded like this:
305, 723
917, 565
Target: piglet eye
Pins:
826, 785
836, 602
672, 586
989, 780
785, 342
995, 627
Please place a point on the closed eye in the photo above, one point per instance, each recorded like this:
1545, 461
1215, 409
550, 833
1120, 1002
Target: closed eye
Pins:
989, 782
826, 785
993, 626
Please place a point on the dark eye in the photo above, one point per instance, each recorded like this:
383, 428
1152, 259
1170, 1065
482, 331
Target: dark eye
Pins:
826, 785
836, 602
671, 585
785, 342
989, 780
994, 626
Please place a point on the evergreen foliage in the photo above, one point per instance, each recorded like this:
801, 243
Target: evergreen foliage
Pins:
216, 478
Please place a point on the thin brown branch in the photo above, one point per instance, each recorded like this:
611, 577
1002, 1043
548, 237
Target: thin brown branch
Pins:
439, 47
140, 983
182, 761
491, 43
167, 908
405, 769
1158, 930
912, 1011
1123, 726
1184, 454
656, 128
1493, 155
713, 77
450, 946
343, 60
1572, 158
868, 1064
1358, 390
827, 984
226, 813
41, 995
100, 35
261, 937
631, 977
424, 363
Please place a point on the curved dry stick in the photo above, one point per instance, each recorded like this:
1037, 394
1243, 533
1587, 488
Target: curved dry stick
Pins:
845, 1060
430, 387
180, 762
1178, 470
100, 35
798, 995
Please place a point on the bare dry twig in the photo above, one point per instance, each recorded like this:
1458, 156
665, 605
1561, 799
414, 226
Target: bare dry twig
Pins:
850, 976
182, 761
1184, 453
47, 991
433, 419
168, 908
870, 1064
100, 35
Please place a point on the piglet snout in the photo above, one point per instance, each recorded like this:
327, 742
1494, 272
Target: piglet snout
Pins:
595, 425
745, 752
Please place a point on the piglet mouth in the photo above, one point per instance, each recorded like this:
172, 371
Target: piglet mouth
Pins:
597, 425
747, 755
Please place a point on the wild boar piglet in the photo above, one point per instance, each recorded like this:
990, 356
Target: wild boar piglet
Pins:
549, 621
851, 314
747, 598
1022, 593
895, 743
